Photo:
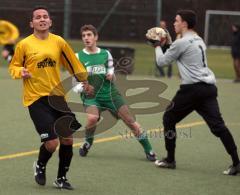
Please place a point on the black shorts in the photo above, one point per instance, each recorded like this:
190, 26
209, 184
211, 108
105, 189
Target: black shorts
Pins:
49, 113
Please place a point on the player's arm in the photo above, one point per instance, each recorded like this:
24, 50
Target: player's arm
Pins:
16, 67
72, 64
110, 69
81, 86
77, 86
169, 56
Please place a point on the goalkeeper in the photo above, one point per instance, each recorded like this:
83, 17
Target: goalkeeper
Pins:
197, 92
99, 65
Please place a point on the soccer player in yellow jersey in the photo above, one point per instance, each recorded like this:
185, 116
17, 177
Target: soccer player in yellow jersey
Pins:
37, 61
9, 34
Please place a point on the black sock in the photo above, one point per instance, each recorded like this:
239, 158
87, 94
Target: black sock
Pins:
43, 156
171, 156
170, 142
229, 144
235, 158
65, 157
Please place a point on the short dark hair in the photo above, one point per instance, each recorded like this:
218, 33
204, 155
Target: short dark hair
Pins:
89, 27
37, 8
188, 16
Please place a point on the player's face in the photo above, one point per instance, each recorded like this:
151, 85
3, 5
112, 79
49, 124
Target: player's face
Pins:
41, 20
178, 24
89, 39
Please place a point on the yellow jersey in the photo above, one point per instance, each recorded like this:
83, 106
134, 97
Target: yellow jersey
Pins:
43, 59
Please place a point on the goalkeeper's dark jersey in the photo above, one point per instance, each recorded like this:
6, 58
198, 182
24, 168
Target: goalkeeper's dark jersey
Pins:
97, 66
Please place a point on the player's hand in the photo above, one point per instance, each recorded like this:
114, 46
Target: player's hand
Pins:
88, 89
110, 77
158, 37
25, 73
160, 43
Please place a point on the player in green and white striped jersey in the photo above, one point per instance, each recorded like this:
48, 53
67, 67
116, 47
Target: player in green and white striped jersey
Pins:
99, 65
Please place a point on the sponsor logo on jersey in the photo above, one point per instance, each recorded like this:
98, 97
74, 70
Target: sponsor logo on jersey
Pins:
47, 62
96, 69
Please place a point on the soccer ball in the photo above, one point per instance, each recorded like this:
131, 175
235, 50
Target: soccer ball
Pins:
156, 34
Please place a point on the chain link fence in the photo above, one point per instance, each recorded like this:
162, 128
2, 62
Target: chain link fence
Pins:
115, 19
120, 20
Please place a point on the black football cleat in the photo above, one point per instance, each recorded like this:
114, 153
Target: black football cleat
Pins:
232, 170
151, 156
39, 174
164, 163
83, 151
62, 183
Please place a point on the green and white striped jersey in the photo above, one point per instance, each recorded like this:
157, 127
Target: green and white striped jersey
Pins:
98, 65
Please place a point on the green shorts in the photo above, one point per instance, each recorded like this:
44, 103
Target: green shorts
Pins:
112, 104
